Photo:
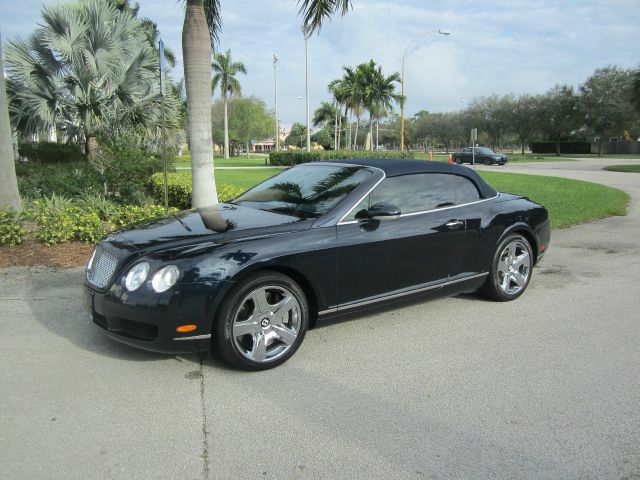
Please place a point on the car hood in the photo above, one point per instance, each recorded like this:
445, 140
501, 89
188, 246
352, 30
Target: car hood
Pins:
220, 223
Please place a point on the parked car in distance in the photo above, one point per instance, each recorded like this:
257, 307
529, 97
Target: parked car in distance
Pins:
247, 278
483, 155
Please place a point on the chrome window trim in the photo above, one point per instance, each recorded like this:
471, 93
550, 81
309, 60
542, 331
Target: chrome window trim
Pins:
349, 222
384, 175
391, 296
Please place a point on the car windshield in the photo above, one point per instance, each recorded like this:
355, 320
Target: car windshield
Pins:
306, 191
485, 150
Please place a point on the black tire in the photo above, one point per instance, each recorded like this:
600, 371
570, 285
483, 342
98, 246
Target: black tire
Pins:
224, 343
492, 287
487, 161
458, 160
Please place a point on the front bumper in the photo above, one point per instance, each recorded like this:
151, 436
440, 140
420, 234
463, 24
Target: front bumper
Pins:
149, 321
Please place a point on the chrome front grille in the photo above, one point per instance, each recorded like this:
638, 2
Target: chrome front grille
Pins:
102, 268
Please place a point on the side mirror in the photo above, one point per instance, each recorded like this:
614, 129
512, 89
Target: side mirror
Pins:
383, 211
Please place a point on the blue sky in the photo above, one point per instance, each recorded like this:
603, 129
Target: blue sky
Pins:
495, 47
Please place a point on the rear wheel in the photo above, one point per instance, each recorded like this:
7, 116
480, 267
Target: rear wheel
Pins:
262, 322
458, 160
487, 161
511, 269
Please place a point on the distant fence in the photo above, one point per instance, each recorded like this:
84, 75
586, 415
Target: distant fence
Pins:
625, 147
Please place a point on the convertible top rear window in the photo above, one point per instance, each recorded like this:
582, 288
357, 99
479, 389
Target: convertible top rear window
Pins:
306, 191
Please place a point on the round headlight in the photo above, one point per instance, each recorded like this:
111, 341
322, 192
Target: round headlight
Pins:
136, 276
165, 278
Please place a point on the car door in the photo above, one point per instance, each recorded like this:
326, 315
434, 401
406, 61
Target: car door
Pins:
421, 248
466, 155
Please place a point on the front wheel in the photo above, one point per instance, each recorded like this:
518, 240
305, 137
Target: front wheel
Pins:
511, 269
487, 161
262, 322
458, 160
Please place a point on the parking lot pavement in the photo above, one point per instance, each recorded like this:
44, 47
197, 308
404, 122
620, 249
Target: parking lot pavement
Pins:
543, 387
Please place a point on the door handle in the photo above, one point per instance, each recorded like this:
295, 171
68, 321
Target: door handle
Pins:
454, 224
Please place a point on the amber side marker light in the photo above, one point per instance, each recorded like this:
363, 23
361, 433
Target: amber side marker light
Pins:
186, 328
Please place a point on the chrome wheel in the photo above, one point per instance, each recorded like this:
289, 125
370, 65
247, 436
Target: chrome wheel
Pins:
266, 324
514, 267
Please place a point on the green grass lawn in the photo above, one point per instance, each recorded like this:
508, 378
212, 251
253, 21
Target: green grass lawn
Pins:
633, 168
244, 178
252, 161
569, 202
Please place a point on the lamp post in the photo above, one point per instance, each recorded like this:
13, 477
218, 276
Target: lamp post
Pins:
275, 94
306, 86
439, 32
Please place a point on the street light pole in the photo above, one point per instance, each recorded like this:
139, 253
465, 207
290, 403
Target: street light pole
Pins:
275, 92
403, 101
306, 86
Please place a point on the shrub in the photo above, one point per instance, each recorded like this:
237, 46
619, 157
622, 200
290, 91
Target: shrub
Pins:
104, 207
51, 152
130, 214
179, 190
58, 220
73, 179
125, 169
87, 225
296, 157
54, 226
565, 147
12, 228
182, 158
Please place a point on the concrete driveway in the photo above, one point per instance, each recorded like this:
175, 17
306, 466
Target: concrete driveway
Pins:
547, 386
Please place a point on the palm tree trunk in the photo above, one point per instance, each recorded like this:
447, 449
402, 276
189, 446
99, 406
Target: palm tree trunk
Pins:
371, 131
196, 52
377, 133
9, 195
339, 130
91, 146
355, 135
335, 130
226, 129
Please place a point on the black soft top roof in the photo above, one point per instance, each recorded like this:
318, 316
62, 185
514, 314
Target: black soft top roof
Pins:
394, 167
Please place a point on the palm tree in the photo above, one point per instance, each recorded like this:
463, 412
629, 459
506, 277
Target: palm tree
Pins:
352, 94
314, 12
336, 89
202, 23
381, 97
88, 67
225, 71
9, 195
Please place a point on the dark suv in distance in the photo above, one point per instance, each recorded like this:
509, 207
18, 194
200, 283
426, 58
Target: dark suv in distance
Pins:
483, 155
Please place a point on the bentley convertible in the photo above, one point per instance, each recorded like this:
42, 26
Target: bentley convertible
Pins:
247, 278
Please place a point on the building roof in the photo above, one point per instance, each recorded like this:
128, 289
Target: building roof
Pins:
394, 167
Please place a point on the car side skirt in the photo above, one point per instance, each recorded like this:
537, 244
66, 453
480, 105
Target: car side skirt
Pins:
400, 294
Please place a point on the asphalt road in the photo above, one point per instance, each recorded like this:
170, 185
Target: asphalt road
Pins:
547, 386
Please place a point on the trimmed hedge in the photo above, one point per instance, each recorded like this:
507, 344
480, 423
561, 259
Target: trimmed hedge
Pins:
565, 147
51, 152
179, 190
296, 157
